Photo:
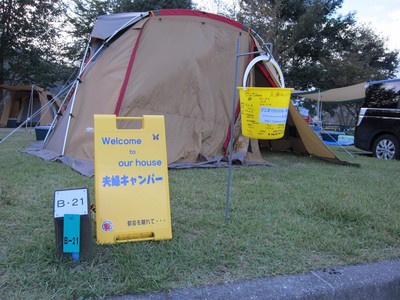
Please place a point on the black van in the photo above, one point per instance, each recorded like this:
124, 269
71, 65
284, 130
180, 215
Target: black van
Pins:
378, 126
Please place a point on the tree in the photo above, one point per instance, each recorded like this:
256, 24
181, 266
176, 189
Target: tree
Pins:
365, 59
316, 47
146, 5
81, 16
30, 52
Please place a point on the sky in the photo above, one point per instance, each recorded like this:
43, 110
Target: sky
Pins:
382, 16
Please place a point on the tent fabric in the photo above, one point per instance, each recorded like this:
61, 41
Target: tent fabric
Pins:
21, 102
180, 64
343, 94
193, 13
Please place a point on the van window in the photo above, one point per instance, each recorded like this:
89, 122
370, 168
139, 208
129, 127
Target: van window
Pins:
383, 95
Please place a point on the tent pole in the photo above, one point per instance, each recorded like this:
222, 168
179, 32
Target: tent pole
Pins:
83, 68
105, 43
29, 111
77, 81
52, 125
322, 129
70, 116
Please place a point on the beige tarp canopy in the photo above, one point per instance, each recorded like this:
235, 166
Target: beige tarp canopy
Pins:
343, 94
176, 63
26, 101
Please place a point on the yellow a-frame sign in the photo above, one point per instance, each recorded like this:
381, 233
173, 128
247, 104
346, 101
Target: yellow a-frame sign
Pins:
131, 180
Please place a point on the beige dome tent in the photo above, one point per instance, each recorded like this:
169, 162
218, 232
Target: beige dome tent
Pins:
176, 63
26, 102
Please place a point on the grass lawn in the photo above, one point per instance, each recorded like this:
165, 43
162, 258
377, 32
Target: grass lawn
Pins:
303, 214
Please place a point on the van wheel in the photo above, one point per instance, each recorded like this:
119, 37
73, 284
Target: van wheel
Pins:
386, 147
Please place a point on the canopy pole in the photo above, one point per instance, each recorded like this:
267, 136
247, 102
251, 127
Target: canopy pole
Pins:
319, 106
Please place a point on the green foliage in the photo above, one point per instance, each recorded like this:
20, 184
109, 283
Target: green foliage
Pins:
302, 215
317, 47
30, 51
81, 15
146, 5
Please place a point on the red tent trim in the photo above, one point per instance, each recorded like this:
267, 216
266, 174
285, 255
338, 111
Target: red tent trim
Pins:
127, 75
263, 70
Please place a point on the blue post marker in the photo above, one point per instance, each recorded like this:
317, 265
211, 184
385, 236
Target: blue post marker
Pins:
71, 239
72, 224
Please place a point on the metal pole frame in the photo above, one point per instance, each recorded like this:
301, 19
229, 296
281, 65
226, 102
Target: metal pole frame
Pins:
228, 193
84, 66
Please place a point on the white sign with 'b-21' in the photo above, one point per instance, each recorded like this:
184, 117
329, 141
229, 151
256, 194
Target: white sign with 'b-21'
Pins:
70, 202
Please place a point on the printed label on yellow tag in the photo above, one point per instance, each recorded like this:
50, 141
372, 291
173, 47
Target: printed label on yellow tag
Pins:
131, 180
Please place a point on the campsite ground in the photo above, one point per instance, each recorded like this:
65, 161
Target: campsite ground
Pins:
304, 214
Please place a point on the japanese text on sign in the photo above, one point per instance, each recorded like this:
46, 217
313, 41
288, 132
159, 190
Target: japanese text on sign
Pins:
125, 180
